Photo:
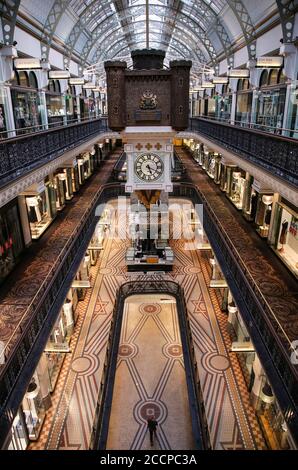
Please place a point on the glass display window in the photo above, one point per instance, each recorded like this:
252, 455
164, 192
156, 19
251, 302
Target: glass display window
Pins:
263, 213
34, 410
226, 176
250, 201
54, 364
87, 166
19, 437
25, 100
59, 338
71, 104
224, 104
284, 238
65, 174
11, 238
271, 419
81, 171
55, 103
60, 188
39, 212
236, 188
49, 183
3, 127
75, 178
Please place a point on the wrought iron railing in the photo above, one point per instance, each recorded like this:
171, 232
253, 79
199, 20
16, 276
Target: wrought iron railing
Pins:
20, 155
275, 153
196, 402
267, 334
29, 340
270, 339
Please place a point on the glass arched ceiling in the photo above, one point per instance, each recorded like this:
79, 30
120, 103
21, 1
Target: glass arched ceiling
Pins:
181, 28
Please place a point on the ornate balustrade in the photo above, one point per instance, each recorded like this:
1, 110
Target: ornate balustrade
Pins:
20, 155
104, 403
276, 154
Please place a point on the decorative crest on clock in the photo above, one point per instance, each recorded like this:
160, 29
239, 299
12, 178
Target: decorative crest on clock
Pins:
148, 100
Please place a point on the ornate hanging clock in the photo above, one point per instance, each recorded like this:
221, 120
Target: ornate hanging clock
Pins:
149, 167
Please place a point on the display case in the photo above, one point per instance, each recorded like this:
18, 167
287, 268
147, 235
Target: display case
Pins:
81, 171
65, 174
59, 338
11, 238
60, 186
19, 437
284, 236
38, 209
34, 410
236, 187
54, 363
213, 166
263, 213
226, 176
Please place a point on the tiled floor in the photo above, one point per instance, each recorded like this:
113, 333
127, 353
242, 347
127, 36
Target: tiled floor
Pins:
231, 420
150, 379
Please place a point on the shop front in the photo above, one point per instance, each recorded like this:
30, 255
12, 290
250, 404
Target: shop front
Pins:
284, 235
270, 101
224, 104
55, 104
3, 103
11, 238
39, 202
262, 398
244, 102
71, 105
26, 101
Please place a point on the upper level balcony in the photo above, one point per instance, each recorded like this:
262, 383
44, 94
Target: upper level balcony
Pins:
274, 153
24, 153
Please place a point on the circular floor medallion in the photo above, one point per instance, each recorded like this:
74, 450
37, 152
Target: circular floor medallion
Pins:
81, 365
150, 309
127, 350
219, 362
173, 350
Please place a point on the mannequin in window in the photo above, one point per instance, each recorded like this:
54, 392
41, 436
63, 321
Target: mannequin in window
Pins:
33, 209
254, 203
268, 215
283, 235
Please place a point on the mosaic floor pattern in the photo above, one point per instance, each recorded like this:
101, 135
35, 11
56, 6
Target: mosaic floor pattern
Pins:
155, 386
231, 420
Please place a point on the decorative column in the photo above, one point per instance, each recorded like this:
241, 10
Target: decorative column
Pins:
7, 54
233, 86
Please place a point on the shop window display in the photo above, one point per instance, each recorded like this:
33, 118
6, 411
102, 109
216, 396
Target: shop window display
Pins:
11, 239
34, 410
263, 214
60, 185
39, 213
54, 363
19, 436
271, 419
71, 104
55, 103
285, 236
271, 99
236, 188
244, 102
65, 174
25, 100
226, 177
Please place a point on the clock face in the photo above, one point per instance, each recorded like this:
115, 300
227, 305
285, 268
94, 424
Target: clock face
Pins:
149, 167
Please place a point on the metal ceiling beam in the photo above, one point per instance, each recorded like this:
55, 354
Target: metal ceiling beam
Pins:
287, 10
246, 24
199, 10
186, 23
52, 21
8, 11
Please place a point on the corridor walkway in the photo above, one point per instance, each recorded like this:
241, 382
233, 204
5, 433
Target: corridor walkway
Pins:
231, 419
150, 378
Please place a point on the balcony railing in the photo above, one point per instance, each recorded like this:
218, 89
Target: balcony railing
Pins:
20, 155
275, 153
104, 403
271, 342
